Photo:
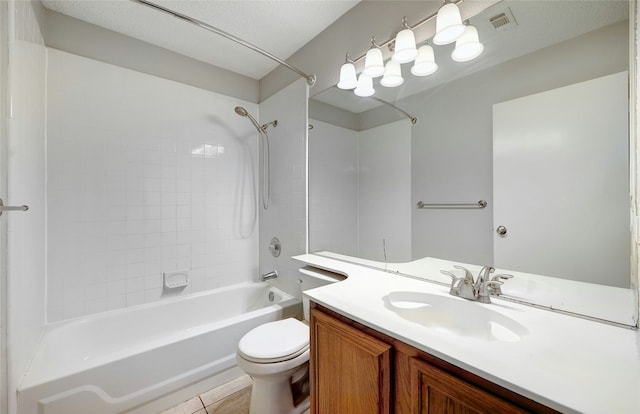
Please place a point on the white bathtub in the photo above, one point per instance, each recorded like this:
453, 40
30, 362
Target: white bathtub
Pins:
147, 358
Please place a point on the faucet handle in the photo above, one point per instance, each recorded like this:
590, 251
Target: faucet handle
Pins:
502, 276
467, 274
497, 290
455, 282
484, 293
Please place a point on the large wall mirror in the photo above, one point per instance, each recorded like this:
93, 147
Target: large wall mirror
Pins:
537, 127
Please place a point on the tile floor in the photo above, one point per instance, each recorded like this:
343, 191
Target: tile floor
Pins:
230, 398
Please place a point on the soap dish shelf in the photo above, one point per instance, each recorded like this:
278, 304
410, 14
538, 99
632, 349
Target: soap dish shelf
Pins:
175, 280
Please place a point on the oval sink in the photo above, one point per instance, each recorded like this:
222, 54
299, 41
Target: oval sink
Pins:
455, 315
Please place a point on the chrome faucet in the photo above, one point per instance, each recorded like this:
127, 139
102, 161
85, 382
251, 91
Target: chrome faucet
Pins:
483, 276
479, 289
270, 275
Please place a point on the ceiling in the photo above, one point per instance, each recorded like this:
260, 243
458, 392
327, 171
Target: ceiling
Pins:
540, 23
280, 27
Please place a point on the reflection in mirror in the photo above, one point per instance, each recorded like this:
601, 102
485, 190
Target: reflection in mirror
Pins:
369, 166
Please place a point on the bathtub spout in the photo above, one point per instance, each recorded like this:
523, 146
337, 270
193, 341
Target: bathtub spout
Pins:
271, 275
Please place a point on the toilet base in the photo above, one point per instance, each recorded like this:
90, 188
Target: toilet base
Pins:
274, 397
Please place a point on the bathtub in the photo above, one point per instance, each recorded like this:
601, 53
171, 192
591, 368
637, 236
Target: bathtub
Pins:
147, 358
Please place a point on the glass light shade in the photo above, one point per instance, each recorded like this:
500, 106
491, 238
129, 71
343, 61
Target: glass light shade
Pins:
347, 76
392, 75
468, 46
365, 86
425, 63
373, 63
449, 25
405, 47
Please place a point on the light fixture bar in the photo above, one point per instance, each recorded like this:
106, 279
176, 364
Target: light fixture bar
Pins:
415, 26
413, 119
311, 79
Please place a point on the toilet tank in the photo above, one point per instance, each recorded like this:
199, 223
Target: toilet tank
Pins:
311, 278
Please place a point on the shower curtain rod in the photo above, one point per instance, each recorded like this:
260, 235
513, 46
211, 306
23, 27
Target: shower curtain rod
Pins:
413, 119
311, 79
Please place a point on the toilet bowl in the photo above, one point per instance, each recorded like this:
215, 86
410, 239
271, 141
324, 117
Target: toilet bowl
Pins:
276, 356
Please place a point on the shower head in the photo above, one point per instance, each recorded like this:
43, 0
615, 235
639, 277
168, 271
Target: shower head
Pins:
261, 128
243, 112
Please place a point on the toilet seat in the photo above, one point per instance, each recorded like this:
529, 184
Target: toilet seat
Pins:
275, 341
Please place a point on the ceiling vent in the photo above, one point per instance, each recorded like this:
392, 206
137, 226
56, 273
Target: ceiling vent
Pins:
504, 21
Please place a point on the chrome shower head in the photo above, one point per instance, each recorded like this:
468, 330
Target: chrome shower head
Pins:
241, 111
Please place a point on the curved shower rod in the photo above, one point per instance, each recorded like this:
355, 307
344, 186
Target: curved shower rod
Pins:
413, 119
311, 79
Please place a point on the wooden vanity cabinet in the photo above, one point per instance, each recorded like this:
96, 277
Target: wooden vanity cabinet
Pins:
434, 391
355, 369
350, 370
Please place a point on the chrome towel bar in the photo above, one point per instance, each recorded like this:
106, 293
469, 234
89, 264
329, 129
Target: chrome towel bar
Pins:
479, 204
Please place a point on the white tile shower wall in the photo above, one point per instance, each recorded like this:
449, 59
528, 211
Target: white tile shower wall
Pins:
145, 176
384, 190
25, 185
286, 216
333, 188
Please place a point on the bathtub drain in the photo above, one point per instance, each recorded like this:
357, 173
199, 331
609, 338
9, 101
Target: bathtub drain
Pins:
271, 296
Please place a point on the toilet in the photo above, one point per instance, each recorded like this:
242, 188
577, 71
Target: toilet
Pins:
276, 356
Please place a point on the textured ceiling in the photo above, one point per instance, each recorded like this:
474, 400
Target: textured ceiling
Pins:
540, 23
280, 27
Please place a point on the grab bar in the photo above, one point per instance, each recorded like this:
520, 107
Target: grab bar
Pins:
479, 204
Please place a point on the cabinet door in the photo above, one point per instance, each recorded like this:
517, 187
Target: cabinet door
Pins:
350, 370
434, 391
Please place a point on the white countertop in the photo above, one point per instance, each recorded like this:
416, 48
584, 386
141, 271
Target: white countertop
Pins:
567, 363
598, 301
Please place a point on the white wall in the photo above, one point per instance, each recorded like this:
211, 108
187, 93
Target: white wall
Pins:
145, 176
26, 185
333, 178
384, 192
361, 191
286, 217
81, 38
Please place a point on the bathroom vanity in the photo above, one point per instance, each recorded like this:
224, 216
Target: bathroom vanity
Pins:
360, 370
384, 343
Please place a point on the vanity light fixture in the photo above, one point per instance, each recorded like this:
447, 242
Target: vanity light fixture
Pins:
392, 75
365, 86
449, 29
405, 45
449, 25
468, 45
373, 62
425, 63
348, 79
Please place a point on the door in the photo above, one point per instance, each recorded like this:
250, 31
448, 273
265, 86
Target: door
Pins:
560, 179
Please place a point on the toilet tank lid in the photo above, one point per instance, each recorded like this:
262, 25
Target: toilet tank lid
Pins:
321, 274
275, 339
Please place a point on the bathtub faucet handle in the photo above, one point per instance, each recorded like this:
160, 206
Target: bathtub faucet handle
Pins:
271, 275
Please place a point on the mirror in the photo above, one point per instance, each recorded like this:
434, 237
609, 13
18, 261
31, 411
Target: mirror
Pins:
369, 167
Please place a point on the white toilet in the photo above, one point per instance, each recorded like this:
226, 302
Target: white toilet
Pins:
276, 356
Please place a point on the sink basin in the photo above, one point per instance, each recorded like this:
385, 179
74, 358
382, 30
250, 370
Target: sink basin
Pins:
455, 315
